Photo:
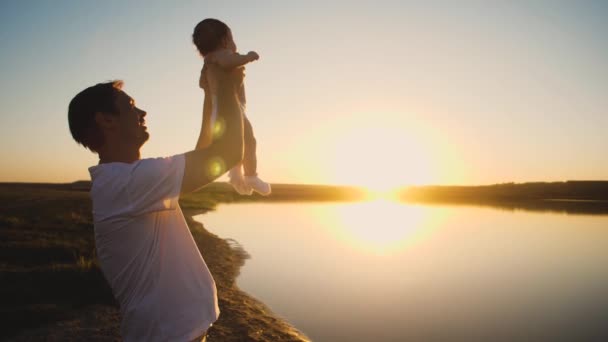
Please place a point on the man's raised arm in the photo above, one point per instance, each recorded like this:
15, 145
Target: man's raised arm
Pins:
207, 163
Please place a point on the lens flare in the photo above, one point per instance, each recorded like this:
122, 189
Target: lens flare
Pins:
216, 167
219, 127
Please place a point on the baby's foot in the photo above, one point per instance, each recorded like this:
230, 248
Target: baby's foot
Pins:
238, 182
258, 185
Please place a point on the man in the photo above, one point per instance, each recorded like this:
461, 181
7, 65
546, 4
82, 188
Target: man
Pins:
144, 246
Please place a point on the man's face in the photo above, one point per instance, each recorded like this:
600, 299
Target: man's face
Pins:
131, 122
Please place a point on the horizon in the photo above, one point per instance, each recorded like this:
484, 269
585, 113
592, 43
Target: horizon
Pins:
455, 94
401, 187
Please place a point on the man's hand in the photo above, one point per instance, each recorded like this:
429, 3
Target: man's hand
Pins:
236, 76
216, 57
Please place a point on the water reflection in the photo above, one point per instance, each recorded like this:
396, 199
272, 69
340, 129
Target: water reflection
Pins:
550, 206
378, 226
387, 271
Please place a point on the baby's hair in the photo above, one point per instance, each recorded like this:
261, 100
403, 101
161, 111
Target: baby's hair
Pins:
208, 35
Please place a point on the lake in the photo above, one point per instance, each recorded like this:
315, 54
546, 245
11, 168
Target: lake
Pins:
389, 271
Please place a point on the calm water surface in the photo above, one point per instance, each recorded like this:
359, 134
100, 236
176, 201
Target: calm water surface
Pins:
388, 271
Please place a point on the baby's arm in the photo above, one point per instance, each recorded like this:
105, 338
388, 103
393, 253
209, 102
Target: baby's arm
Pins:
227, 59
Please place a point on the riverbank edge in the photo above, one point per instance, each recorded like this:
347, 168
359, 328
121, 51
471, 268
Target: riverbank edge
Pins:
53, 289
241, 315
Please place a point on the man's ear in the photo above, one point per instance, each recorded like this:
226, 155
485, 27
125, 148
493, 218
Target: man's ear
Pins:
105, 120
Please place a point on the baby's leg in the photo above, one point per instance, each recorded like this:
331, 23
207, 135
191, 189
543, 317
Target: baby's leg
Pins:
237, 180
250, 163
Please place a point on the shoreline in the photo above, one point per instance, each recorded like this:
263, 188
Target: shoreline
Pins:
53, 290
52, 287
242, 315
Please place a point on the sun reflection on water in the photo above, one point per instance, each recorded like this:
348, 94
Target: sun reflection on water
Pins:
381, 226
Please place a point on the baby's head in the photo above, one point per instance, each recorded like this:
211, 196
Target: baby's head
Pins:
211, 35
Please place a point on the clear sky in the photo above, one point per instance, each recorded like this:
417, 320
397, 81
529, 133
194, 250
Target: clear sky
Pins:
374, 93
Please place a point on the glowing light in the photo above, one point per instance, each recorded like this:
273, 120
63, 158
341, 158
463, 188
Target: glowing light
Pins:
382, 227
386, 195
219, 128
381, 158
216, 167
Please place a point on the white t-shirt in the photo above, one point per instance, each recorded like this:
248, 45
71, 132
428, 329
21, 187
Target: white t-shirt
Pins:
147, 253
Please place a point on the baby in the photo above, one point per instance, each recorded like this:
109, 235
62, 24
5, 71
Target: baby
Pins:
214, 41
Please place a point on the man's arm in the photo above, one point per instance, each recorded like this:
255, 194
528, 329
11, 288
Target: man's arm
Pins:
227, 59
206, 163
206, 135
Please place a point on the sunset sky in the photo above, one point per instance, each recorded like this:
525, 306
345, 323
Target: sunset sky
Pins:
376, 94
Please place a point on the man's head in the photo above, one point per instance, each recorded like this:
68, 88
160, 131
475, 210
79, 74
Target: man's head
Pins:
210, 35
103, 115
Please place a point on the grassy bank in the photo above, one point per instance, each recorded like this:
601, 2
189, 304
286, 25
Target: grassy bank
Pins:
52, 288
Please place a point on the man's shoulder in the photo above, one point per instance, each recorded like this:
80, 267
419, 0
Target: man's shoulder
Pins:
156, 161
120, 172
132, 189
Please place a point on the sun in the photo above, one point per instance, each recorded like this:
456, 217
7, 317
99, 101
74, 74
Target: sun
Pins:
381, 159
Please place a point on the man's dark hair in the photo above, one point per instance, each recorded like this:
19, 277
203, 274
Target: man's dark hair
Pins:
100, 98
208, 35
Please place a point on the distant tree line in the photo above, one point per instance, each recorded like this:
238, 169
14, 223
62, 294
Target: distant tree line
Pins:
570, 190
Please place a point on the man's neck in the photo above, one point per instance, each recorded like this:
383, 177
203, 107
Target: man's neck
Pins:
118, 156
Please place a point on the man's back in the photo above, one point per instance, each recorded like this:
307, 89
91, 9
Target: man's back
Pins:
147, 252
